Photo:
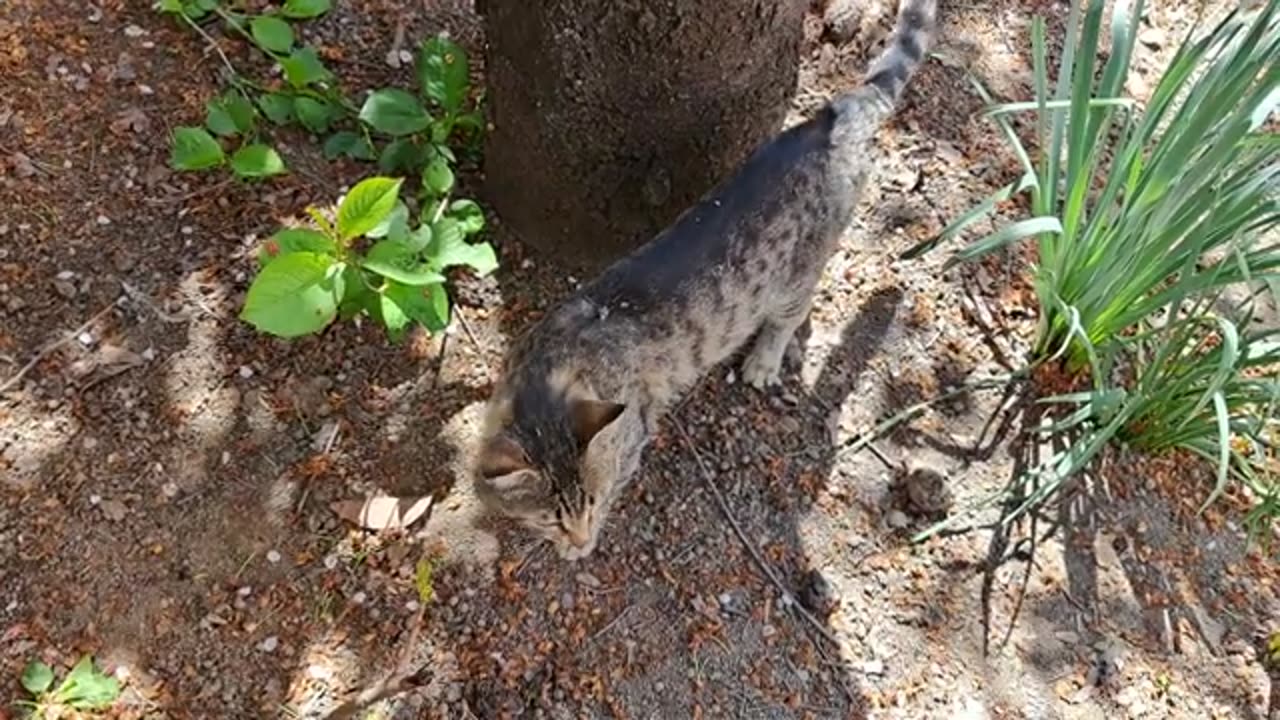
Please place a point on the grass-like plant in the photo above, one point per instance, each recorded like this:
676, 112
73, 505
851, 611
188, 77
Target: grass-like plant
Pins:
1143, 216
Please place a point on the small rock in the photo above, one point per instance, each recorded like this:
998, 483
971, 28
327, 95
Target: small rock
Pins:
104, 220
65, 288
22, 165
817, 594
246, 372
113, 509
1068, 637
134, 31
270, 644
273, 556
245, 590
897, 519
85, 339
1152, 37
360, 597
927, 489
95, 499
169, 489
873, 667
392, 59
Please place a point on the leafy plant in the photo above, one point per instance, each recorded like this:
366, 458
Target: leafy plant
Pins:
412, 129
84, 688
1142, 218
368, 259
229, 116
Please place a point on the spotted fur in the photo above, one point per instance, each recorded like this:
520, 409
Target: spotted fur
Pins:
584, 389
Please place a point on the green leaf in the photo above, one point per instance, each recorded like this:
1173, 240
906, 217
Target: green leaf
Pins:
37, 678
394, 112
257, 160
277, 107
418, 239
428, 305
304, 68
449, 249
401, 155
345, 142
442, 72
394, 261
468, 215
437, 176
480, 257
272, 33
358, 296
230, 114
87, 688
194, 148
367, 205
303, 9
291, 240
394, 226
295, 295
393, 317
315, 115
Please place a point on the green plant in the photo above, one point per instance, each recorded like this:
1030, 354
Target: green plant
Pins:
405, 132
368, 259
84, 688
1143, 217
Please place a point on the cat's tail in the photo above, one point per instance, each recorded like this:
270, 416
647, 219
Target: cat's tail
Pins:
912, 36
869, 104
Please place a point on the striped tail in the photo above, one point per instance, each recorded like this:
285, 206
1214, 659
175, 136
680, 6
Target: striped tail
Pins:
906, 50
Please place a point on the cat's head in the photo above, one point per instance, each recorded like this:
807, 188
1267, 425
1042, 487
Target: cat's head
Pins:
546, 462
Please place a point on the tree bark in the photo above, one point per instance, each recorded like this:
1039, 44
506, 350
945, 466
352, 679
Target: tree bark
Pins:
610, 117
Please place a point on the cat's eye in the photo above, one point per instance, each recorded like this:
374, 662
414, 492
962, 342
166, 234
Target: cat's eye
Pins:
591, 500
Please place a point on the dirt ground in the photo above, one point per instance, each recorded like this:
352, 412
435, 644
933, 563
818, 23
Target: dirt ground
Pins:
167, 474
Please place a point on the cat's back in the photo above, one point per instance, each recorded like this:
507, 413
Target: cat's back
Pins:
714, 232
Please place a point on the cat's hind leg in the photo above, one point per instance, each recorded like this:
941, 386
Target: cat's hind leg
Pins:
763, 364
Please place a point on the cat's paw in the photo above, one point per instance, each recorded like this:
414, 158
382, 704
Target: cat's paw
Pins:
761, 374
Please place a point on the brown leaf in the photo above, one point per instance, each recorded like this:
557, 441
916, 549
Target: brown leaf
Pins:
383, 512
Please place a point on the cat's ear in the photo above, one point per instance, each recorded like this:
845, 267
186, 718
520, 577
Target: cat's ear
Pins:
502, 458
589, 417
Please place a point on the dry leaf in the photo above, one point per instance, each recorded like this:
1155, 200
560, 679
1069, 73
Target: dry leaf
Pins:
382, 513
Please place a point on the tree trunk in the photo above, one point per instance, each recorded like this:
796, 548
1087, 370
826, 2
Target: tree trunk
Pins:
612, 116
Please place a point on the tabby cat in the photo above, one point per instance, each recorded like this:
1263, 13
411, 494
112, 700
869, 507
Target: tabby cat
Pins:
582, 392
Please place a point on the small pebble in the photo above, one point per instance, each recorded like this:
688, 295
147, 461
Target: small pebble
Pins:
273, 557
270, 644
170, 489
244, 591
85, 339
359, 597
246, 372
134, 31
897, 519
413, 606
95, 499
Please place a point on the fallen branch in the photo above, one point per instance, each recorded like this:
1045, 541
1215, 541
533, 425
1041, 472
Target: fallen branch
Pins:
43, 352
764, 566
402, 680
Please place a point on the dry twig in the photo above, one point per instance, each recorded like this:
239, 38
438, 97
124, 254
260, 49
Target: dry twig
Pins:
755, 553
43, 352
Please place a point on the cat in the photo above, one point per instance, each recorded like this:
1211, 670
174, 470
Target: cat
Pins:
582, 391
